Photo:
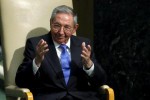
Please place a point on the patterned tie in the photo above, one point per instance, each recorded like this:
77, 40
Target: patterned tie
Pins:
65, 62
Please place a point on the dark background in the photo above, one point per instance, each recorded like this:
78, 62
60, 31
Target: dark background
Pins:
122, 45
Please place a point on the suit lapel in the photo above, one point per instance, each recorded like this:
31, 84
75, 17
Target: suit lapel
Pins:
75, 59
75, 50
53, 59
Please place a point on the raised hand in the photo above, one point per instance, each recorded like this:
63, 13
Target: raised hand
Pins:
41, 50
86, 53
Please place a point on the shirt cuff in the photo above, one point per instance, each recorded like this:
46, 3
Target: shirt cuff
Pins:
90, 71
35, 67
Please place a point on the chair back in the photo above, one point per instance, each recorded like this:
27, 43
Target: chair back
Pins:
22, 19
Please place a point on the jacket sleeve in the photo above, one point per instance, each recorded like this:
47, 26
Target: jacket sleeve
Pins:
99, 76
25, 77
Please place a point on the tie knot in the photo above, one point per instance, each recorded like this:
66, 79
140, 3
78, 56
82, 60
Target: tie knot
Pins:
63, 46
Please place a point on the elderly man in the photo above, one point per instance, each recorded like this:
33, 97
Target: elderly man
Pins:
59, 65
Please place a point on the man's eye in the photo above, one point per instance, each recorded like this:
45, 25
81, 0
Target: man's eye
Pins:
67, 27
57, 25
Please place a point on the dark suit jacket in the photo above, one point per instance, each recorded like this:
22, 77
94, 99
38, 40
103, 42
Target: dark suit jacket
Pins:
49, 83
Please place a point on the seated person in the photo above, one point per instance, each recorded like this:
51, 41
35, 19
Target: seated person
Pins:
59, 65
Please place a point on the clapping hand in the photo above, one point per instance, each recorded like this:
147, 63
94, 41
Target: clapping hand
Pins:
86, 53
41, 50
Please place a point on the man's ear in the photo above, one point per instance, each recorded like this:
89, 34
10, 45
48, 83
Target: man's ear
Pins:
75, 28
50, 23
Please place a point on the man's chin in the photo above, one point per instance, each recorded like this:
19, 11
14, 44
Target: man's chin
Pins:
61, 41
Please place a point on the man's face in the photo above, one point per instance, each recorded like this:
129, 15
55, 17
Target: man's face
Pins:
62, 27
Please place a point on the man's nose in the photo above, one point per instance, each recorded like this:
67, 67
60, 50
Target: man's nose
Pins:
61, 30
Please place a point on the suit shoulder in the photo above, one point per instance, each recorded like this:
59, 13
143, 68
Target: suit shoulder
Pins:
37, 37
79, 38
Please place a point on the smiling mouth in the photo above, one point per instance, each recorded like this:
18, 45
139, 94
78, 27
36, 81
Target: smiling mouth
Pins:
60, 37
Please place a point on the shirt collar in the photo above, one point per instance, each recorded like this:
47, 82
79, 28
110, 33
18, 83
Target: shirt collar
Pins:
57, 45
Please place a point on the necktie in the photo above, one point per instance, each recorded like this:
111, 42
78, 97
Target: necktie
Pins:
65, 62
